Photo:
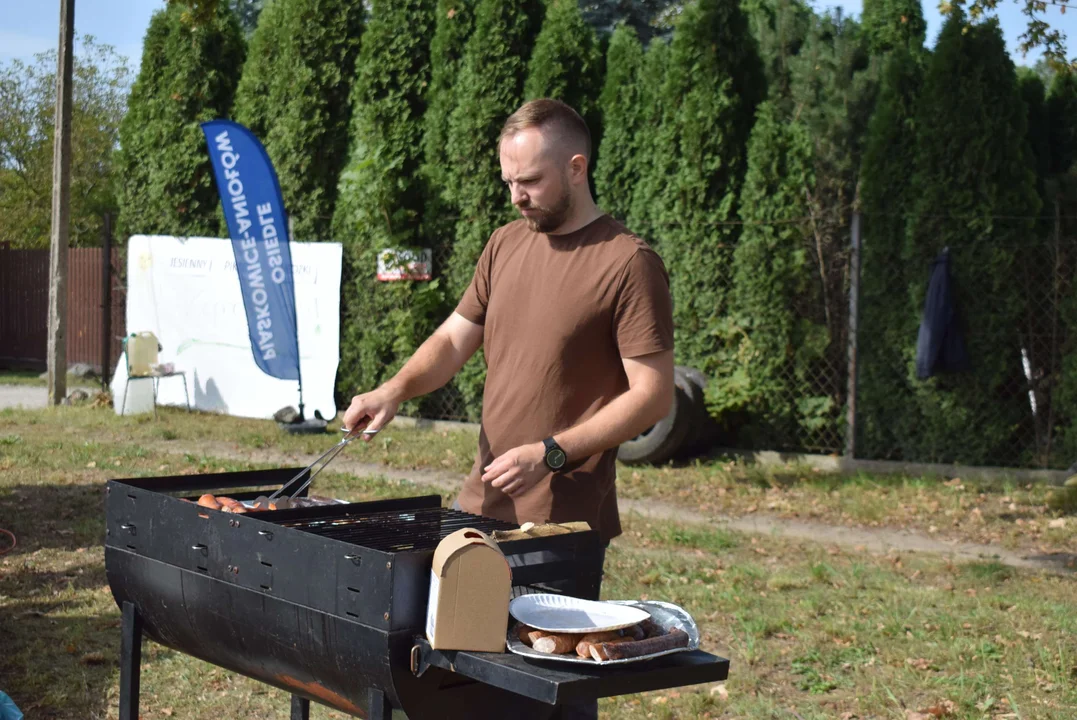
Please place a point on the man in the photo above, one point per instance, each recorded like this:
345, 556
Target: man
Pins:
575, 317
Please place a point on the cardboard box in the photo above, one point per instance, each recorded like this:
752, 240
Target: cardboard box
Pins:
470, 585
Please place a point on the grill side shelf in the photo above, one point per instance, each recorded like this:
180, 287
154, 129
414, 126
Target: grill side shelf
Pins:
336, 577
554, 683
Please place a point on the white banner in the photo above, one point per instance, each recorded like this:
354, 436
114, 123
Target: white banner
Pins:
186, 292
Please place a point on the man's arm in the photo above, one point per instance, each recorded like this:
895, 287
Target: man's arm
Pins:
432, 365
648, 399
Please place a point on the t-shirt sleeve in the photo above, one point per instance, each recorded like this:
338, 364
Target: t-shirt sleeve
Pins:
643, 317
477, 296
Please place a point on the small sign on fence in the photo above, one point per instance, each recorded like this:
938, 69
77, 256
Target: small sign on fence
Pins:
405, 264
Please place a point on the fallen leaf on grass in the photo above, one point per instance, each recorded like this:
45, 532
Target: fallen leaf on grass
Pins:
945, 708
919, 663
94, 658
91, 464
720, 692
1057, 523
167, 712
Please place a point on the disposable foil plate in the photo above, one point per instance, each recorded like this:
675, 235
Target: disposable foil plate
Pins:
666, 615
564, 614
302, 502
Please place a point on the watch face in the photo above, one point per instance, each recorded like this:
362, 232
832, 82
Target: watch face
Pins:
556, 458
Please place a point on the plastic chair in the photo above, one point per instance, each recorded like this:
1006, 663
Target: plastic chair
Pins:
148, 369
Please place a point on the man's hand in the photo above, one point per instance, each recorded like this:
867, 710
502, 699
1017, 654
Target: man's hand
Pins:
517, 471
371, 411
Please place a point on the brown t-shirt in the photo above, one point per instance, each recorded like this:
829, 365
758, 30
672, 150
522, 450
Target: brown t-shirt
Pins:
559, 313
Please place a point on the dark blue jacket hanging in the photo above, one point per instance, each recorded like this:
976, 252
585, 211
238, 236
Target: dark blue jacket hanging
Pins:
940, 346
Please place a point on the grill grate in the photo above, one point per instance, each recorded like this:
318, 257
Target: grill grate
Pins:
397, 531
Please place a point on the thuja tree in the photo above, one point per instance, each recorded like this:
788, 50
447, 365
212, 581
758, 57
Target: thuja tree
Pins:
566, 63
773, 272
894, 34
301, 69
887, 321
973, 192
785, 330
616, 170
1060, 212
454, 22
188, 75
892, 24
643, 200
489, 88
713, 83
381, 201
779, 27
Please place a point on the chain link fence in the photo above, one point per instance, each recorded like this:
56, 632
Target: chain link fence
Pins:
1012, 401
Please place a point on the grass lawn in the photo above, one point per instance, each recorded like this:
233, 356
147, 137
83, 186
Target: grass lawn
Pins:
812, 631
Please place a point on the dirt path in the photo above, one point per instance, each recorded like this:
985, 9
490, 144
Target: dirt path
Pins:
874, 540
24, 396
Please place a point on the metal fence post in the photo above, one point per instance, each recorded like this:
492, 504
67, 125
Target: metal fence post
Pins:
106, 302
854, 302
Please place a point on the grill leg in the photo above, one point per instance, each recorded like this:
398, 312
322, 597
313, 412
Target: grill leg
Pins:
300, 708
380, 707
130, 662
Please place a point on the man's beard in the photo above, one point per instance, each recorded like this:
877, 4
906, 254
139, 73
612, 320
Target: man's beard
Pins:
549, 218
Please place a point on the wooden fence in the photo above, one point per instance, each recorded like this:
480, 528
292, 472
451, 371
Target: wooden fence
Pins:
24, 308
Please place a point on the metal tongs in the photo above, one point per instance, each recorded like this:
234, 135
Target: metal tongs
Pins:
327, 456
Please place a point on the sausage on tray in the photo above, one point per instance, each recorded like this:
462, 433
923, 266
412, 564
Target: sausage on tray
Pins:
522, 632
583, 647
600, 651
534, 636
556, 643
676, 638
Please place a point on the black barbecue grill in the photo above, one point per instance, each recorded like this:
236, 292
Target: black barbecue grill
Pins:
329, 602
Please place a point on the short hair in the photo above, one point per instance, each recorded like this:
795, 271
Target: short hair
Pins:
549, 114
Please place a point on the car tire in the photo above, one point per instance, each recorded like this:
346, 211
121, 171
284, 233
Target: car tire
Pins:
693, 382
662, 440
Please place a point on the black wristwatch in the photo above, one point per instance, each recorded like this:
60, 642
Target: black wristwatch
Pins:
555, 458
